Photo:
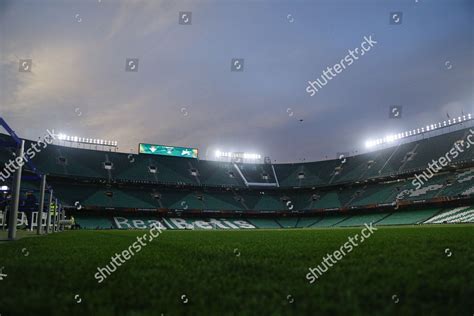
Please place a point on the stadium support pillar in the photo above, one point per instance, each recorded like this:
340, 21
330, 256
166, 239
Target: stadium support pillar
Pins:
63, 217
60, 218
48, 219
16, 196
55, 216
5, 213
41, 204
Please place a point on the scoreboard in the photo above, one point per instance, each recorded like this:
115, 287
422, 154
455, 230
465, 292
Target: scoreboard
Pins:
164, 150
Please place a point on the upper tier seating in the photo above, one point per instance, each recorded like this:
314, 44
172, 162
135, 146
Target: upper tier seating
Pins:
84, 163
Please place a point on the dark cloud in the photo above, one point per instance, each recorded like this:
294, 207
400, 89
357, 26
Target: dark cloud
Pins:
185, 93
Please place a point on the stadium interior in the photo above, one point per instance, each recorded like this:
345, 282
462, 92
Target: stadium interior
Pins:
236, 157
101, 189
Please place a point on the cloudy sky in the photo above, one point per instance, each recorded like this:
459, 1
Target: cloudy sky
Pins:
184, 92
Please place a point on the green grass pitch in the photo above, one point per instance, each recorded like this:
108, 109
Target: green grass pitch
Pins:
397, 271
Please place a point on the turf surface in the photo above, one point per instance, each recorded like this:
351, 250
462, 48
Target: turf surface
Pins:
397, 271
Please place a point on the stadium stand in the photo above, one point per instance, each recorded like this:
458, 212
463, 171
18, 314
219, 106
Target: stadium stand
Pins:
369, 187
330, 220
408, 217
463, 214
359, 220
264, 223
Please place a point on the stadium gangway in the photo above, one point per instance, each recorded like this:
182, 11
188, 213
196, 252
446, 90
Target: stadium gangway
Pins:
256, 184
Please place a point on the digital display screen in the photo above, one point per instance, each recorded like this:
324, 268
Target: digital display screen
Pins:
168, 150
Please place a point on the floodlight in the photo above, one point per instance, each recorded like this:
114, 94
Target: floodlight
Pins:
430, 127
251, 156
94, 141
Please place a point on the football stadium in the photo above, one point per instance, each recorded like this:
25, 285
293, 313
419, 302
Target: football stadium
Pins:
382, 227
